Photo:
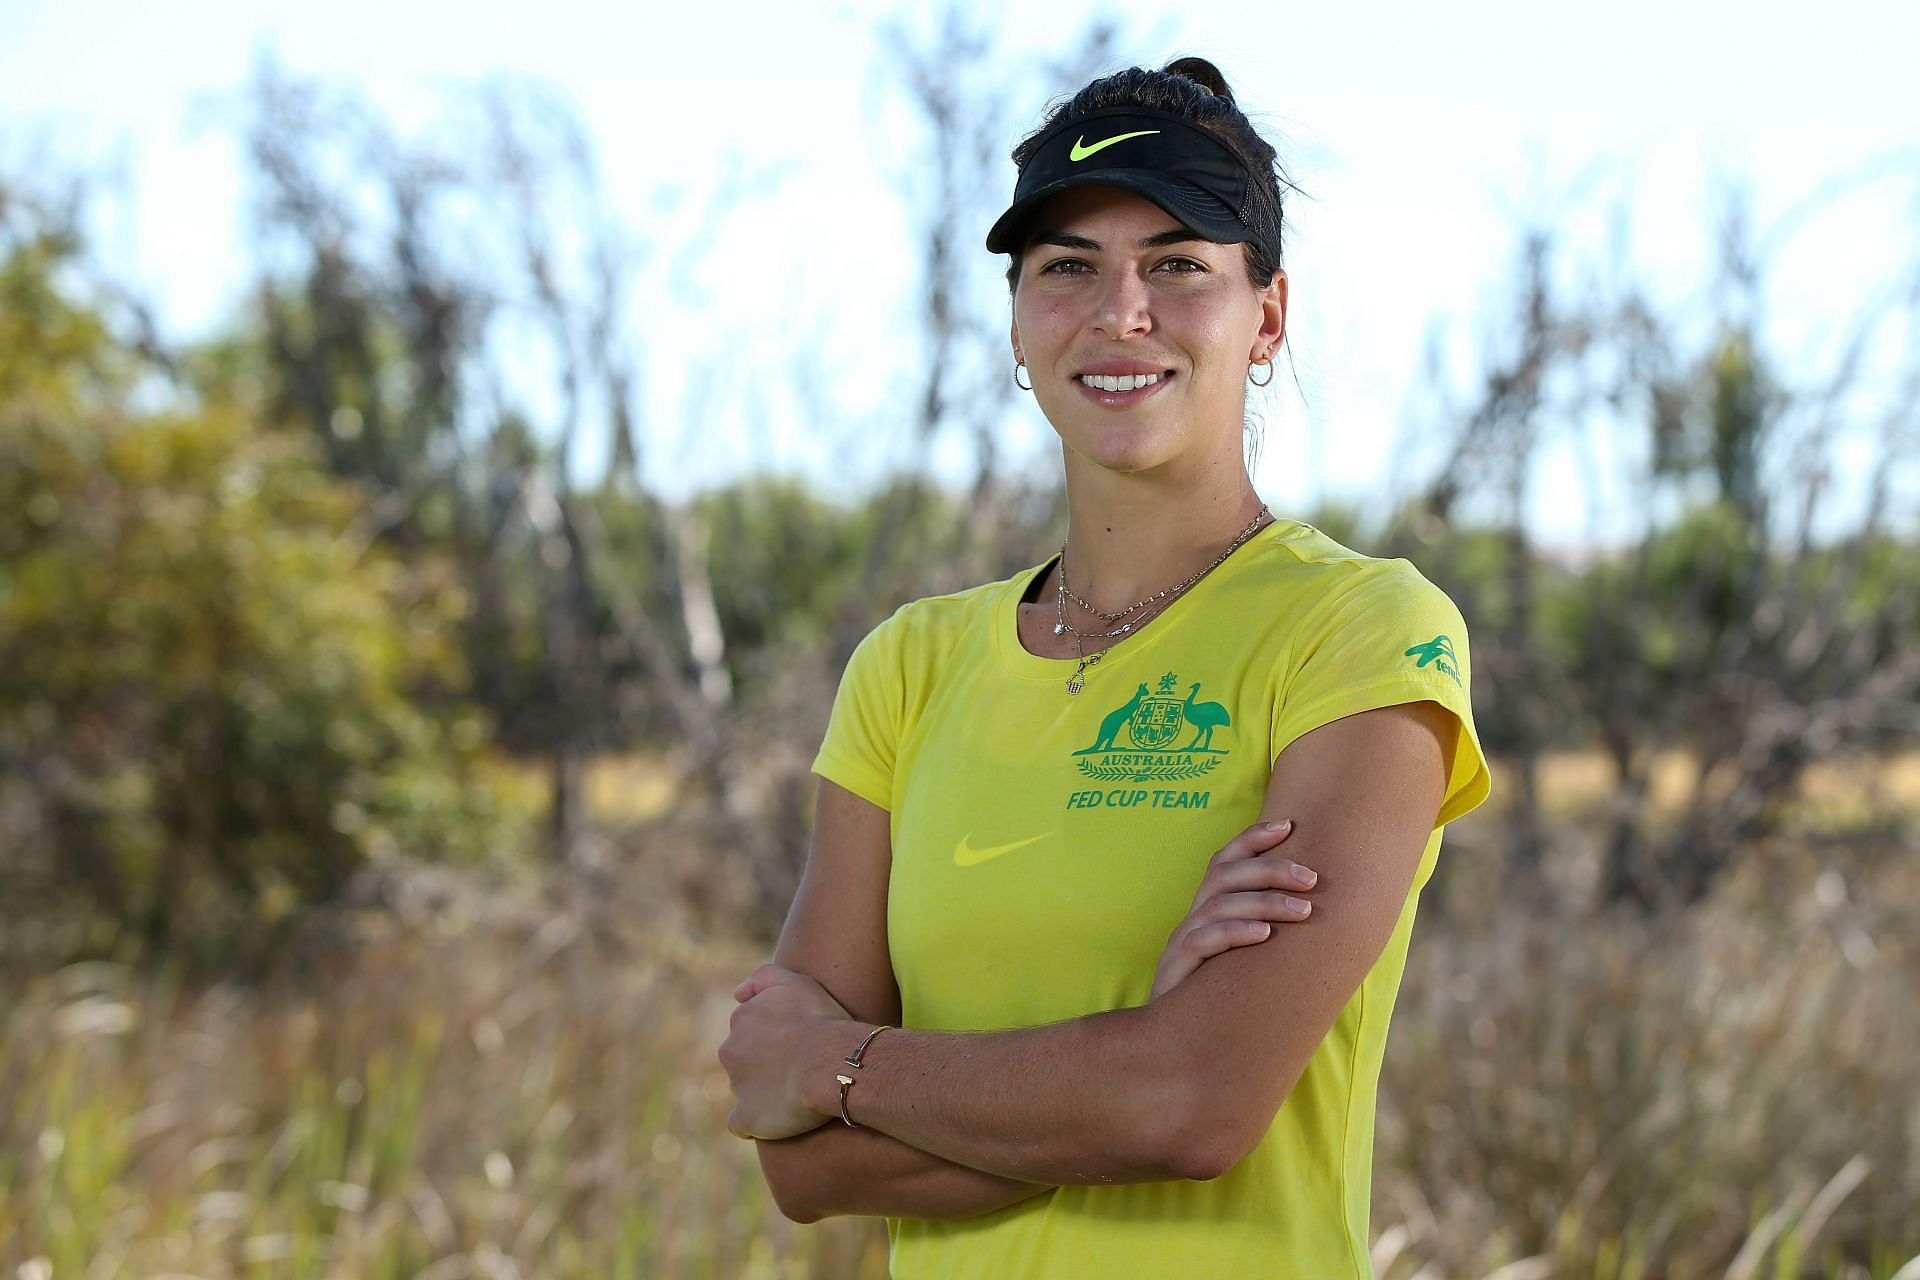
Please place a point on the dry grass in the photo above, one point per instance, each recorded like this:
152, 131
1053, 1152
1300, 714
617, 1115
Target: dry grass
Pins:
1611, 1097
495, 1087
1576, 785
518, 1080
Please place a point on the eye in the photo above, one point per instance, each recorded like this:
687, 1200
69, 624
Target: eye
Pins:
1065, 267
1184, 266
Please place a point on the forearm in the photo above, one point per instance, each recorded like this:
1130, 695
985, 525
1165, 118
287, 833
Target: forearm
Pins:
836, 1170
1088, 1101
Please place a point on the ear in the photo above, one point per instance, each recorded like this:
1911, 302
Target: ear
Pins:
1014, 335
1273, 317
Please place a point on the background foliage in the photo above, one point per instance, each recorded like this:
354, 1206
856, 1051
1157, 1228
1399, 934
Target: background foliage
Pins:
221, 695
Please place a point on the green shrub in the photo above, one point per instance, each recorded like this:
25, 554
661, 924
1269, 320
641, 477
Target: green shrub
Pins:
219, 697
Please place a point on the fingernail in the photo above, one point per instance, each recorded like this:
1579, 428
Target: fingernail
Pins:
1308, 877
1300, 904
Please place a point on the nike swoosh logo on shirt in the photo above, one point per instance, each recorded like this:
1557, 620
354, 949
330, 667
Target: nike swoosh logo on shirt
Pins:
965, 855
1081, 151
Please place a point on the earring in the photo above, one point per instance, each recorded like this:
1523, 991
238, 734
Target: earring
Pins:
1018, 365
1268, 364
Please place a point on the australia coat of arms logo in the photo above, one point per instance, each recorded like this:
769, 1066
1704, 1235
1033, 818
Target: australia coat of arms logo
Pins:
1157, 736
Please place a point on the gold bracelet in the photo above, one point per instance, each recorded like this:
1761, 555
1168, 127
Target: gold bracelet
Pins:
853, 1059
846, 1081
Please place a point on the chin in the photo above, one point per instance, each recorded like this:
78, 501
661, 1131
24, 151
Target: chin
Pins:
1125, 452
1128, 442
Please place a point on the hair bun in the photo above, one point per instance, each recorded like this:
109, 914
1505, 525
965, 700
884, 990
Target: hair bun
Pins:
1202, 73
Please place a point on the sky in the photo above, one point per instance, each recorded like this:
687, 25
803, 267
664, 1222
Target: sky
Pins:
1429, 138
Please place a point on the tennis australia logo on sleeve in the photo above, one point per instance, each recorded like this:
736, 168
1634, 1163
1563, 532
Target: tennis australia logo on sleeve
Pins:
1438, 651
1153, 737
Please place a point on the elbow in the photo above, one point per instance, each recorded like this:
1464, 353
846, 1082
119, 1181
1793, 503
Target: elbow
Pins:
797, 1211
1188, 1143
790, 1187
1203, 1153
1215, 1128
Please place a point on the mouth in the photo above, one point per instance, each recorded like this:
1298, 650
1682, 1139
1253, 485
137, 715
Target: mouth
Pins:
1121, 390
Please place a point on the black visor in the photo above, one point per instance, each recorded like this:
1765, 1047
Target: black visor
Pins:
1185, 170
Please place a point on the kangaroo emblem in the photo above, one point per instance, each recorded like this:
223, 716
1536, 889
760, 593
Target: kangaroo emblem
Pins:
1111, 726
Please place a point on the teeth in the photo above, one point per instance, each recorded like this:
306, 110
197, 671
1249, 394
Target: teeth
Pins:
1123, 382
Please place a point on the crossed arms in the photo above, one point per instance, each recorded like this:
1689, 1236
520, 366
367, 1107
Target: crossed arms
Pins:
1181, 1087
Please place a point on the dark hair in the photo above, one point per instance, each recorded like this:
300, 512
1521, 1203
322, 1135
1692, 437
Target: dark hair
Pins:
1194, 89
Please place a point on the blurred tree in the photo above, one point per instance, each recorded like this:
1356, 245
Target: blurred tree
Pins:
208, 669
383, 299
1495, 446
1719, 627
1755, 650
604, 617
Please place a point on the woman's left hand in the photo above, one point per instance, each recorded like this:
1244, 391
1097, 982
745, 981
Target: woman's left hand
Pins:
776, 1036
1238, 903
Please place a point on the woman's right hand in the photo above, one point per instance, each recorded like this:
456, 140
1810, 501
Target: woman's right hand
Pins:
1241, 897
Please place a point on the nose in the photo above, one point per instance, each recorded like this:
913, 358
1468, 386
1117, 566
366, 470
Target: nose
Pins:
1121, 309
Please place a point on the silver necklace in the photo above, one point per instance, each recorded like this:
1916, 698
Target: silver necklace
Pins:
1077, 680
1116, 615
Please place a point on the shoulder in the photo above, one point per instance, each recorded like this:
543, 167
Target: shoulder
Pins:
919, 634
1315, 576
952, 611
1352, 619
1370, 632
938, 621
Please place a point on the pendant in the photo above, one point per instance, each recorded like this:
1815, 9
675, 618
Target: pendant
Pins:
1078, 680
1059, 627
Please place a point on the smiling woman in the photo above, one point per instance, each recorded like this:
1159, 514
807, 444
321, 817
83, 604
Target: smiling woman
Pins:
1137, 335
1032, 1002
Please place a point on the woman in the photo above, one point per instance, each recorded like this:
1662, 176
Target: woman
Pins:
1001, 1013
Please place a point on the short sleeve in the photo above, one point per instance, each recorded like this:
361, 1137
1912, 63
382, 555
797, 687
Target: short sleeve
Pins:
1388, 637
863, 733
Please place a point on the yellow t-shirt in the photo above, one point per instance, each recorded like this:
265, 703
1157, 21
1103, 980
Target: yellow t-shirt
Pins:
1045, 845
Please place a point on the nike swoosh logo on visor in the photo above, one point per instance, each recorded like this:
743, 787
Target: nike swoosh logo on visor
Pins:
965, 855
1081, 150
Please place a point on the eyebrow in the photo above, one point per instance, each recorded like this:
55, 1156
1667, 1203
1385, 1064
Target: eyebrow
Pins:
1067, 240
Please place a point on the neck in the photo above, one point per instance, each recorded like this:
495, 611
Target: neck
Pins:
1130, 535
